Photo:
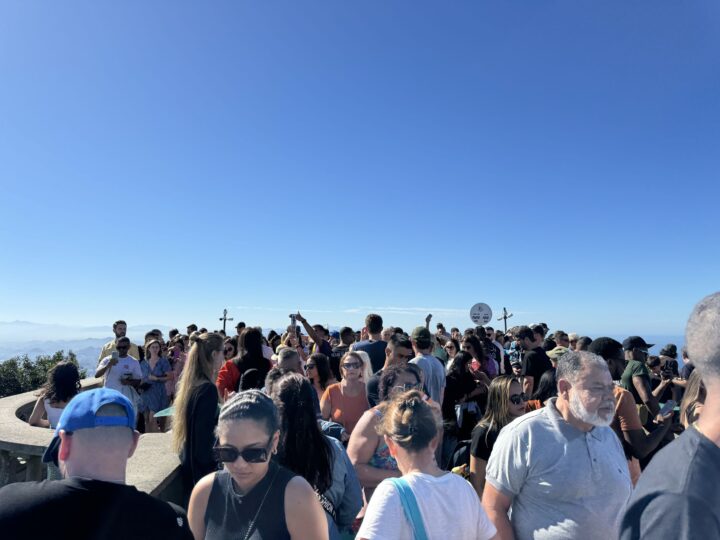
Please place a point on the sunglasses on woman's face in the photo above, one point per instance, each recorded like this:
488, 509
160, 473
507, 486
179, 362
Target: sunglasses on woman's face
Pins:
308, 367
351, 365
450, 347
229, 454
228, 351
516, 399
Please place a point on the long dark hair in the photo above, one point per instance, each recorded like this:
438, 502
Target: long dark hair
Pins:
322, 366
460, 363
63, 383
251, 341
547, 387
303, 448
479, 350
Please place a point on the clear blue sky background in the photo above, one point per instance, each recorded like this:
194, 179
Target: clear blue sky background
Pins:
162, 160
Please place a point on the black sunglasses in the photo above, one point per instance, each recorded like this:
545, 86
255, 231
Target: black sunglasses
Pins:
309, 367
228, 350
516, 399
228, 454
352, 365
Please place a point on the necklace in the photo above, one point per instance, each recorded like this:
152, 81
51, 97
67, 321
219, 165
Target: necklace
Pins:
257, 513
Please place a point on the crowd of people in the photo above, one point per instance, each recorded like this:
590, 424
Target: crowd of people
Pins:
384, 434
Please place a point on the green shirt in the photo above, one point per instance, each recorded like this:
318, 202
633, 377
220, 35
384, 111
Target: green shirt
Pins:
634, 368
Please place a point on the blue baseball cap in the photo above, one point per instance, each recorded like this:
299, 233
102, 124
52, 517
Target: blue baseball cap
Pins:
81, 413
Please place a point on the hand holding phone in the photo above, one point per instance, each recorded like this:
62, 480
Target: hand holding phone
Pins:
114, 358
668, 408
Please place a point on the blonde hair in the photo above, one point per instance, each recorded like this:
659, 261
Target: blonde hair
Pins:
409, 421
198, 369
366, 370
695, 394
497, 415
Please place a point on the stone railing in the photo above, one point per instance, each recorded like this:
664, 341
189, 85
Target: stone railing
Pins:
154, 468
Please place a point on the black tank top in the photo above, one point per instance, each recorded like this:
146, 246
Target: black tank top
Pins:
228, 515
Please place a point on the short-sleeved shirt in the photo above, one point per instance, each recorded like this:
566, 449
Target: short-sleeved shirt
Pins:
686, 371
344, 409
535, 363
483, 441
564, 483
634, 368
111, 346
677, 495
83, 508
375, 350
434, 375
443, 500
114, 374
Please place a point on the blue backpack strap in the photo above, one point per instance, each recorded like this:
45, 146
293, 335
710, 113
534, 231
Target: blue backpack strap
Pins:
411, 508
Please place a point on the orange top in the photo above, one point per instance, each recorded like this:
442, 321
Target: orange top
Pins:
344, 409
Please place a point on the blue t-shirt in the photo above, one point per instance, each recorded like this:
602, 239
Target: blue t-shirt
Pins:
375, 350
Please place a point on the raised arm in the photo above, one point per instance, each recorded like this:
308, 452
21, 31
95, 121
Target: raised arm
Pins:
309, 329
104, 366
36, 418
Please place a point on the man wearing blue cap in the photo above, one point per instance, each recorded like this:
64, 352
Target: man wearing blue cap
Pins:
93, 440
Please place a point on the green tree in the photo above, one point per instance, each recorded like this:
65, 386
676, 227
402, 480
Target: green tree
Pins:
21, 374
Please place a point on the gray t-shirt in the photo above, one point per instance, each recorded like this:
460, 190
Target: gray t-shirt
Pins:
434, 376
563, 482
677, 496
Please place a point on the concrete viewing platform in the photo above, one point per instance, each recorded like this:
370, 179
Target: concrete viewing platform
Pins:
154, 468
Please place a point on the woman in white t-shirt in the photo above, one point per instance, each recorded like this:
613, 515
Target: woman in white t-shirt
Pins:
448, 506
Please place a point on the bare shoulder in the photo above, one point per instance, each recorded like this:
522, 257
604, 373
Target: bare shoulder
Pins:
297, 490
201, 491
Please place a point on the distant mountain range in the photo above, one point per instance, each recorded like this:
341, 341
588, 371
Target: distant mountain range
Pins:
22, 337
19, 331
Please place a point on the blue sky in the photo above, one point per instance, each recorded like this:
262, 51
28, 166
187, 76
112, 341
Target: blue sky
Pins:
162, 160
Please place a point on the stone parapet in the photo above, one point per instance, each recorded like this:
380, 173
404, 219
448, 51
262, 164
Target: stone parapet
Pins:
154, 468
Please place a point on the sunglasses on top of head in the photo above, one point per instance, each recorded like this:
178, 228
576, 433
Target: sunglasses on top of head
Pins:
229, 454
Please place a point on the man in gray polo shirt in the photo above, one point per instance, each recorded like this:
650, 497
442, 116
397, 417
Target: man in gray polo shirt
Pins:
561, 468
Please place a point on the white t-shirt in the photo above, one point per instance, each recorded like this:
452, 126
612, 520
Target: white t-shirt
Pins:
116, 372
449, 506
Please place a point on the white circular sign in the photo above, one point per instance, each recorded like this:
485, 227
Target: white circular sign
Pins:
481, 314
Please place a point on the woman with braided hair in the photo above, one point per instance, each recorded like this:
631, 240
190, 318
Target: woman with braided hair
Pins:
426, 499
253, 497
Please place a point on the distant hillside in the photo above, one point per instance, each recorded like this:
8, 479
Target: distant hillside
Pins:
87, 350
